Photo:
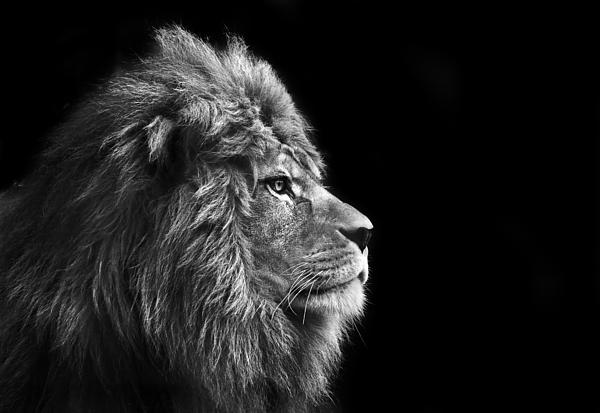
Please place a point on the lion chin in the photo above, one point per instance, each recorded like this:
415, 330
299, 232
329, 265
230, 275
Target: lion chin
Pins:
176, 249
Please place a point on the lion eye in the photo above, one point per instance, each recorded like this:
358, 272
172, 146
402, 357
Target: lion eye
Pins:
279, 186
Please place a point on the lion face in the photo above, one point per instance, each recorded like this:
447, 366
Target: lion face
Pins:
310, 248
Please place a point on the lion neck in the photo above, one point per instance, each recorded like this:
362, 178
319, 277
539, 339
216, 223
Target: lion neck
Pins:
289, 369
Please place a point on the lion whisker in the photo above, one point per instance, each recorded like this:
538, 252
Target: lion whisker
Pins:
325, 281
296, 281
298, 285
358, 332
306, 303
302, 287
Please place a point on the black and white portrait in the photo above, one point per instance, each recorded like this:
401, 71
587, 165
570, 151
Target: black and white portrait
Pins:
290, 206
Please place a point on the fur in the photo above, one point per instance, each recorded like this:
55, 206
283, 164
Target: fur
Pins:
125, 266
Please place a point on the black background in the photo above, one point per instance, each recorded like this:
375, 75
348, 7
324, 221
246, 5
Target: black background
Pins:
467, 136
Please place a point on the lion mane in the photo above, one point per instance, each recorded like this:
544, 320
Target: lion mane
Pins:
125, 266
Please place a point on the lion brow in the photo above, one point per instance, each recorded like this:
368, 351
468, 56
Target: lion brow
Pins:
303, 159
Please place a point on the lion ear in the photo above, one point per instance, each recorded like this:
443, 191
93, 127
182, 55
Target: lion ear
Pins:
159, 132
167, 159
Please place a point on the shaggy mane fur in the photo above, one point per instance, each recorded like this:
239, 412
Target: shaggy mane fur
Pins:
125, 268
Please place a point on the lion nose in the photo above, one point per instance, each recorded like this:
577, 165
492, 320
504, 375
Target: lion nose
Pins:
358, 229
360, 236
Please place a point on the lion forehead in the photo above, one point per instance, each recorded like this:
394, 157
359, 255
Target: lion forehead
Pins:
291, 161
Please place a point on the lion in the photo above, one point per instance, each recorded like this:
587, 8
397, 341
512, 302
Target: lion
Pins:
176, 250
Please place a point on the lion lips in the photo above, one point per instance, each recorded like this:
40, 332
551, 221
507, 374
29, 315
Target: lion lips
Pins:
345, 299
327, 289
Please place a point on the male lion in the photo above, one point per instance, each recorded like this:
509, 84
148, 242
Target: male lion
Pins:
175, 249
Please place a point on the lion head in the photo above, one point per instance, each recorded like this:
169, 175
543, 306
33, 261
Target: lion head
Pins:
176, 249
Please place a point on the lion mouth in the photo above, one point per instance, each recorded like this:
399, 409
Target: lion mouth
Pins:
345, 298
319, 290
327, 289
